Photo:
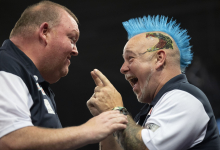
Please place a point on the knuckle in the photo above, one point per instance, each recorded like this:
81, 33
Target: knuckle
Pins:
97, 95
96, 88
88, 103
105, 88
94, 100
90, 100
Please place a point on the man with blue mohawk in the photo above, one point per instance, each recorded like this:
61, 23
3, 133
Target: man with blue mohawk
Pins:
177, 115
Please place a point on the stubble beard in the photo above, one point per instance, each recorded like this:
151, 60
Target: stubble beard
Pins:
143, 98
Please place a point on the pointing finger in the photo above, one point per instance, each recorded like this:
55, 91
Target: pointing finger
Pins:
102, 78
96, 79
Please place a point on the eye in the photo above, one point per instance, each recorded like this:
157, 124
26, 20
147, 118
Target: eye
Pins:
130, 58
73, 40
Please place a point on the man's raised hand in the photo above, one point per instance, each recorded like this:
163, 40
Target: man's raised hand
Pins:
105, 96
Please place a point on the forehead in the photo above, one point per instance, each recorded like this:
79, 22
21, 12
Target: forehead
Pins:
67, 22
139, 44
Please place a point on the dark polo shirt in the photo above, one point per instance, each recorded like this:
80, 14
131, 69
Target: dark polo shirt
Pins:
24, 90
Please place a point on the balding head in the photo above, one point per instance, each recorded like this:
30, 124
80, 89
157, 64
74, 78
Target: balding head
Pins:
35, 15
151, 42
150, 60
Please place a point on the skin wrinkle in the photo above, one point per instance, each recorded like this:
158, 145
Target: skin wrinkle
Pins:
137, 45
55, 45
170, 44
132, 47
130, 138
145, 86
152, 70
143, 91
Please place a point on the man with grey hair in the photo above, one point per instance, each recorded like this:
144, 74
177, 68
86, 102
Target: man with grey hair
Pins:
37, 54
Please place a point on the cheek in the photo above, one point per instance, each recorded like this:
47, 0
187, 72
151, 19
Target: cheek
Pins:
63, 49
135, 66
138, 69
67, 46
144, 73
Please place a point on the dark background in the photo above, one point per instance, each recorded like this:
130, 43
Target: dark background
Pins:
102, 39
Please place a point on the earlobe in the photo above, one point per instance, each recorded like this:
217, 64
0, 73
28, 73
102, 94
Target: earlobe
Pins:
43, 32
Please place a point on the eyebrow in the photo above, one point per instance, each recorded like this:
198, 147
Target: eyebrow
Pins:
128, 52
77, 33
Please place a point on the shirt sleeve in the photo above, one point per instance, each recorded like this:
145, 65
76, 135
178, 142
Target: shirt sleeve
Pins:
15, 102
178, 121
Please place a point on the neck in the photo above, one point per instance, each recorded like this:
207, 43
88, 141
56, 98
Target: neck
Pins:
164, 77
30, 47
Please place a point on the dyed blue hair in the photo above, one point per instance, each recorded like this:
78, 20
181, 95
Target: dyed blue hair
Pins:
160, 23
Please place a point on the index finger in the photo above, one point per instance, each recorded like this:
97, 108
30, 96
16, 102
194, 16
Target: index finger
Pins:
96, 79
102, 78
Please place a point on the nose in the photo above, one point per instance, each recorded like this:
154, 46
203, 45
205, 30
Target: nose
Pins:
124, 68
74, 51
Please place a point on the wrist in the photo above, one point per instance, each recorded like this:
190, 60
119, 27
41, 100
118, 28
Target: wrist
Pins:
122, 110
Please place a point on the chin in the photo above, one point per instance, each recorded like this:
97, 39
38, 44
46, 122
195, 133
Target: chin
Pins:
64, 72
143, 96
141, 99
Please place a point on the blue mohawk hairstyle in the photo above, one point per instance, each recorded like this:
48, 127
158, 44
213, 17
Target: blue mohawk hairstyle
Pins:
160, 23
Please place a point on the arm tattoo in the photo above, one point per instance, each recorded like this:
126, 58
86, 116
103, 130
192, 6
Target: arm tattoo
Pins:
130, 138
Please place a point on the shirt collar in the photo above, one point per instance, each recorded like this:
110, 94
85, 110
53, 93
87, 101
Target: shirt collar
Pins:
170, 85
23, 58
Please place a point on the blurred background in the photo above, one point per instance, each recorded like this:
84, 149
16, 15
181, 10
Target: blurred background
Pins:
102, 39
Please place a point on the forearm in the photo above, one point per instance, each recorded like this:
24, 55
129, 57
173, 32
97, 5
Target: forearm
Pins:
130, 138
93, 131
47, 139
110, 143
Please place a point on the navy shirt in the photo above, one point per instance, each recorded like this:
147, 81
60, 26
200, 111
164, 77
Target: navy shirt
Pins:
16, 71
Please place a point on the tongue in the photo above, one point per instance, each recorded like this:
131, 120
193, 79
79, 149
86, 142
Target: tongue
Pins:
135, 85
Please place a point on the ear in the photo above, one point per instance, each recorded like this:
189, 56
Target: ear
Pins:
161, 59
43, 32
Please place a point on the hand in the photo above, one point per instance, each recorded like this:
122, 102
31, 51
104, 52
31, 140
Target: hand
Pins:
101, 126
105, 96
93, 110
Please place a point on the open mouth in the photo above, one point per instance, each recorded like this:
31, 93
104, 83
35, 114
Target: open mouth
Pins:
132, 81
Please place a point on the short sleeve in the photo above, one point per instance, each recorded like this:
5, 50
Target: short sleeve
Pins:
177, 121
15, 103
